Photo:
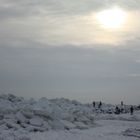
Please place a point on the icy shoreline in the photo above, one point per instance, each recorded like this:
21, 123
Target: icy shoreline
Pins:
20, 116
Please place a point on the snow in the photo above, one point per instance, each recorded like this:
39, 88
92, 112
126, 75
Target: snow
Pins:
105, 130
36, 121
60, 119
134, 132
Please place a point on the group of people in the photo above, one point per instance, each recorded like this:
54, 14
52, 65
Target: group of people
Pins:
99, 105
120, 110
117, 109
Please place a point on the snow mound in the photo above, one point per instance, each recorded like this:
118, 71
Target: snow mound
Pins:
18, 114
132, 132
121, 117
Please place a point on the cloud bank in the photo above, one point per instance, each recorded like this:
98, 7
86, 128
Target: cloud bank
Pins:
56, 48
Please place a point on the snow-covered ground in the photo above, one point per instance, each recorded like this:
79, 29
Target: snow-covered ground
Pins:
62, 119
104, 130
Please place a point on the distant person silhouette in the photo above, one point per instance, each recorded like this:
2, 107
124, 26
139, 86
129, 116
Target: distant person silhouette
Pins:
122, 107
93, 104
100, 105
131, 110
117, 110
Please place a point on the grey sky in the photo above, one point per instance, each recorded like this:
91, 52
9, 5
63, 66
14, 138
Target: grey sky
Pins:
56, 48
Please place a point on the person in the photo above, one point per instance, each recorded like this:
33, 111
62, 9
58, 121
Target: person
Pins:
117, 110
138, 107
122, 110
122, 107
93, 103
131, 110
100, 104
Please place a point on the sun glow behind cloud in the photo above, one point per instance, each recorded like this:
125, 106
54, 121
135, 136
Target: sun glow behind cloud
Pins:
113, 18
59, 48
104, 27
97, 25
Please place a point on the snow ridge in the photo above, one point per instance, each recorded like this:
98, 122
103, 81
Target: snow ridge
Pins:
18, 115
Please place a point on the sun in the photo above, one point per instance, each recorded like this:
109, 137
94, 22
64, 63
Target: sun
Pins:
112, 18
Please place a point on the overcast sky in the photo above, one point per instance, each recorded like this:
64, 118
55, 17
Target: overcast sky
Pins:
57, 48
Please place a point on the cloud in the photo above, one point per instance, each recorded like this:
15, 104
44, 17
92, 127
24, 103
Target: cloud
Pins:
68, 71
137, 61
57, 48
61, 22
26, 8
137, 75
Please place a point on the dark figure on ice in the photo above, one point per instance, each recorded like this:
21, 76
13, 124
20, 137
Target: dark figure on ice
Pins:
93, 104
131, 110
117, 110
100, 104
122, 107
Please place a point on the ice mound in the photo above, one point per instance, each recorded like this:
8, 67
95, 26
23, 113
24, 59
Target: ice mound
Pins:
132, 132
18, 114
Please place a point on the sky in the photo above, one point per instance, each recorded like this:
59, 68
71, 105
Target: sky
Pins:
84, 50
